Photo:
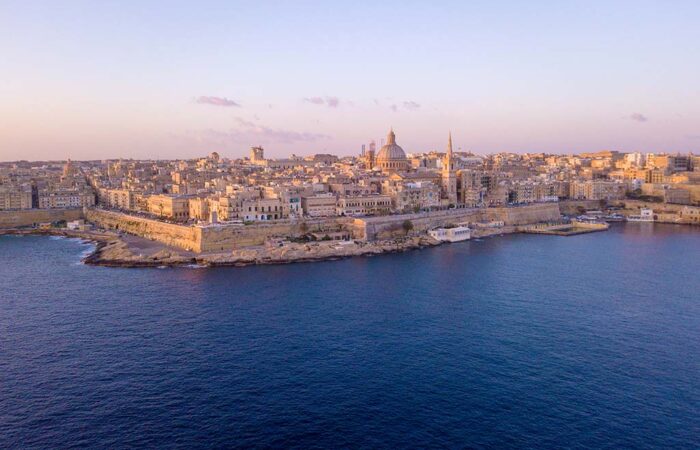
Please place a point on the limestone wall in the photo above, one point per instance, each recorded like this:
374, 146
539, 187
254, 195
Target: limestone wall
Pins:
572, 207
383, 227
522, 215
213, 238
182, 236
228, 237
30, 217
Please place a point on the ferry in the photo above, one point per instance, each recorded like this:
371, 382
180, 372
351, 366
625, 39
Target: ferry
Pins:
454, 234
645, 215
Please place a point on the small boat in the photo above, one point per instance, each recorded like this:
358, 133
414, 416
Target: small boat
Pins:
614, 218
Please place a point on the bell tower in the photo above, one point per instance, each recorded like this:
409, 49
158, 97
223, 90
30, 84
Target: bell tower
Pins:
449, 176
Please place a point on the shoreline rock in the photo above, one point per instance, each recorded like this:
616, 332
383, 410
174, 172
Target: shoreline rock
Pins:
111, 250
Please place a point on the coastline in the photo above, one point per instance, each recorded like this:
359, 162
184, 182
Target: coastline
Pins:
112, 249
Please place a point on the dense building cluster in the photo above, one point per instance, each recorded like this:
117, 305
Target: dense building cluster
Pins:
255, 189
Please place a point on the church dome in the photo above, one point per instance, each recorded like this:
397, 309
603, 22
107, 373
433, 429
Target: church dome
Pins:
391, 156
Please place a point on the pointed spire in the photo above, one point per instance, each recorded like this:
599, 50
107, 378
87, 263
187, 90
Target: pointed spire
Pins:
449, 145
391, 137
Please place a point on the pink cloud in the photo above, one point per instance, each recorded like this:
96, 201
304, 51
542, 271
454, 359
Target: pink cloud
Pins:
216, 101
250, 133
330, 101
637, 117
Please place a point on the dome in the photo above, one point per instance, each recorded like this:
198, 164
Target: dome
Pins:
391, 156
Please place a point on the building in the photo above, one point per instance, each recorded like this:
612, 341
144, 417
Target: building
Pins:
15, 198
363, 205
175, 207
262, 209
319, 205
65, 199
449, 176
391, 157
257, 155
597, 190
412, 196
117, 198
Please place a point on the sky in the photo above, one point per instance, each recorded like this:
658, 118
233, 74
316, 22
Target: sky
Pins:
170, 79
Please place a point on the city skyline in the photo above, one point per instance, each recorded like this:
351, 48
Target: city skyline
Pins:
96, 81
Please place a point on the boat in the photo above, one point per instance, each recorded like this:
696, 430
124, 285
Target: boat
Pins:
453, 234
614, 218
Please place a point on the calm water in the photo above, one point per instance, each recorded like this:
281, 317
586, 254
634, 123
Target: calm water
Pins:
519, 341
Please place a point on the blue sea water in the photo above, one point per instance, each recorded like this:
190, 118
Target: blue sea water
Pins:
517, 341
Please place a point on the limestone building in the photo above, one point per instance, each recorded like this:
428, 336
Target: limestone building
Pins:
391, 157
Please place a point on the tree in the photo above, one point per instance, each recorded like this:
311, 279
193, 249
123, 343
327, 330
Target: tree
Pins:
407, 226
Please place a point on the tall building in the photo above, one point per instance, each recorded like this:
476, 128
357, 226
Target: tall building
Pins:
257, 155
369, 155
449, 175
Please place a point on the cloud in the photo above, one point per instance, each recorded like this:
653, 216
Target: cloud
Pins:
394, 107
315, 100
216, 101
411, 105
331, 102
637, 117
693, 137
249, 133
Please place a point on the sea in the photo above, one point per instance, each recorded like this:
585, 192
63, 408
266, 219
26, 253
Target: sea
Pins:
516, 341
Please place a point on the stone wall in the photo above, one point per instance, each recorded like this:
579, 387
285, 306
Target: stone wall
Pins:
522, 215
210, 238
182, 236
227, 237
30, 217
572, 207
383, 227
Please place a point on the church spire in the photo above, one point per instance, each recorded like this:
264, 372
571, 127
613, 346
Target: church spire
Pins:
391, 137
449, 146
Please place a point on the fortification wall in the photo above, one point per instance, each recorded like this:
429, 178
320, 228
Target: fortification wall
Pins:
385, 227
522, 215
212, 238
228, 237
573, 207
30, 217
182, 236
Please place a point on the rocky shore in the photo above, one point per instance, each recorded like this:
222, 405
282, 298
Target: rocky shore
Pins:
116, 250
119, 254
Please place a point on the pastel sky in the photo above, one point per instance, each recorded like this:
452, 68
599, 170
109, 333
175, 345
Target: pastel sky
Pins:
102, 79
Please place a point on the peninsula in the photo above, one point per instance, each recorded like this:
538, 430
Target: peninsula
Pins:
216, 211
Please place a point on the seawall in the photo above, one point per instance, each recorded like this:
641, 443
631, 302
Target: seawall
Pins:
182, 236
384, 227
209, 238
33, 217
